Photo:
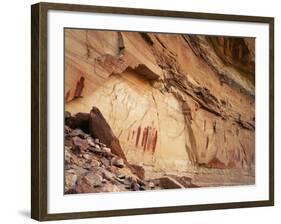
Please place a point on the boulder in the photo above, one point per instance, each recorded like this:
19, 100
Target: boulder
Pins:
138, 170
100, 129
167, 182
117, 162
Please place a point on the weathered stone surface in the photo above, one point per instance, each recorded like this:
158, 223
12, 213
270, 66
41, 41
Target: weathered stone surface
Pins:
117, 162
169, 183
81, 143
151, 185
79, 120
121, 176
70, 180
100, 129
178, 105
138, 171
95, 163
91, 142
105, 161
88, 156
77, 132
97, 141
93, 179
95, 168
107, 150
135, 186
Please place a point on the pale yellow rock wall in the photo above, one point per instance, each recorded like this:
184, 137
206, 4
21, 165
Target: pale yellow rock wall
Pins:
129, 103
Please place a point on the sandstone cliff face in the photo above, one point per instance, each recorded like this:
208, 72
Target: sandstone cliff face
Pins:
177, 103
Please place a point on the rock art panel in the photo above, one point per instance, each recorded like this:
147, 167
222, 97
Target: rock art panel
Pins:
181, 105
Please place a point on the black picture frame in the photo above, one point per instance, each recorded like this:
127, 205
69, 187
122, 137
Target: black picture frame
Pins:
39, 107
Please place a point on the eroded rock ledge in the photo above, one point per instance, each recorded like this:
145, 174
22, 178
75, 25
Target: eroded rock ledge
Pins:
175, 104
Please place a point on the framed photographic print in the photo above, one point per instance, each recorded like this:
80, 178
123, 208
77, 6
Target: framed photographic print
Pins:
138, 111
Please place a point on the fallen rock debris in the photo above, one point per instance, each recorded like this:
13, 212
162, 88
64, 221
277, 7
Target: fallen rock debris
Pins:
93, 166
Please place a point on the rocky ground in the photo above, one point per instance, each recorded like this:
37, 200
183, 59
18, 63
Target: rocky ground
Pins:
91, 166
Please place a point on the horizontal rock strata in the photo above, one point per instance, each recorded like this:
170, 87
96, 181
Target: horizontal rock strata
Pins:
180, 105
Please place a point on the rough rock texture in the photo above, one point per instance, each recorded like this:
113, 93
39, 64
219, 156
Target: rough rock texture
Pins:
177, 104
100, 129
90, 166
